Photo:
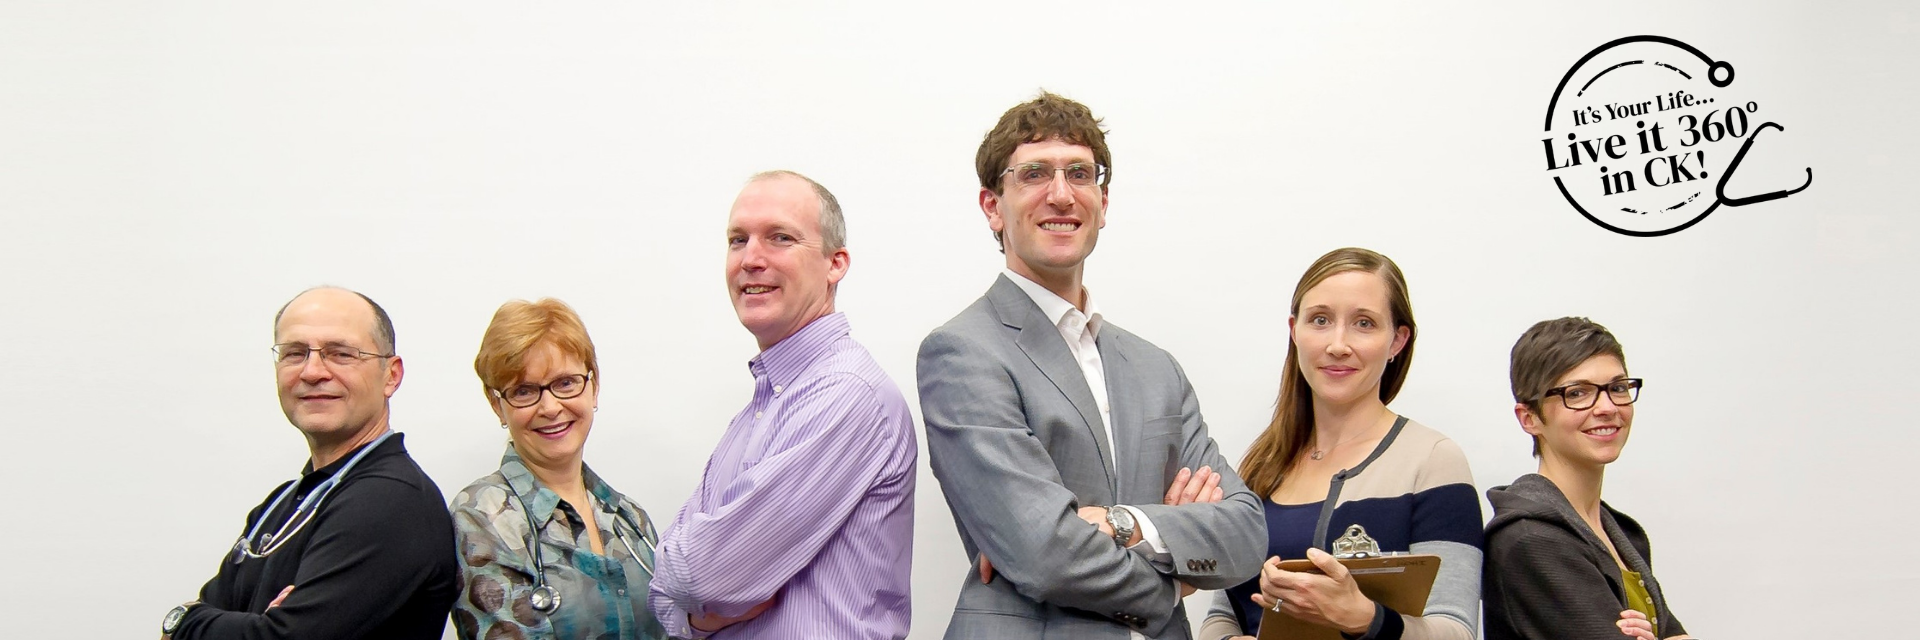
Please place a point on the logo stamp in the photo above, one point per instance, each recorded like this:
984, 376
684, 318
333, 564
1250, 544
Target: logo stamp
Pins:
1644, 133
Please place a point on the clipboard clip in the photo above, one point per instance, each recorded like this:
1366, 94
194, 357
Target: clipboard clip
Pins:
1355, 544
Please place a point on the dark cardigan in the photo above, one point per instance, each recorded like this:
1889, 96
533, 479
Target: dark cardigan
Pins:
1548, 577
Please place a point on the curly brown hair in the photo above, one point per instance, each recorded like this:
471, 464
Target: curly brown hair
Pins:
1046, 117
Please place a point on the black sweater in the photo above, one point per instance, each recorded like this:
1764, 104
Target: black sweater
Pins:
1548, 577
376, 561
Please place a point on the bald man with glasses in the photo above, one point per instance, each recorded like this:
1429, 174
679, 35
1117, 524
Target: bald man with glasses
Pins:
360, 545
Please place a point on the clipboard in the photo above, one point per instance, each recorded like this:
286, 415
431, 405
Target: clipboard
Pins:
1400, 581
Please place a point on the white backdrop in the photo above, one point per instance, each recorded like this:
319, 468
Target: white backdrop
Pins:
170, 173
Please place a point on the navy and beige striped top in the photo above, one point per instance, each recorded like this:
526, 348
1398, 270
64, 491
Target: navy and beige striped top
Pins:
1414, 493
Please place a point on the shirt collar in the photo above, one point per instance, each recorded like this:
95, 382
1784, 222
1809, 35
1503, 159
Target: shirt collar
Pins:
1055, 307
392, 443
787, 358
541, 501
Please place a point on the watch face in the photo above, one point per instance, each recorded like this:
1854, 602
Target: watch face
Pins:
172, 622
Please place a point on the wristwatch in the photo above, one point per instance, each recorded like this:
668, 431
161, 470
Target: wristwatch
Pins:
1122, 522
171, 623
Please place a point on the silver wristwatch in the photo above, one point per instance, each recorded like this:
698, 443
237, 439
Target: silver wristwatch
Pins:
171, 623
1122, 522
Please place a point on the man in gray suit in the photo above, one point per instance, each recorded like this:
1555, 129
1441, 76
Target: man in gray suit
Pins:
1066, 446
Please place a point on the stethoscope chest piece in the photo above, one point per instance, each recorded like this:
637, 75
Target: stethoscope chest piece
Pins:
544, 599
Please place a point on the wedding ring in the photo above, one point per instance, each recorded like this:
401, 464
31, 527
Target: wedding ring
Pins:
1276, 604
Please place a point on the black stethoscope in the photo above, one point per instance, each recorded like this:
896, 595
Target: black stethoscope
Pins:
545, 599
248, 545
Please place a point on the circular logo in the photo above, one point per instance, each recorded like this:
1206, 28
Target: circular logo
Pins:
1642, 133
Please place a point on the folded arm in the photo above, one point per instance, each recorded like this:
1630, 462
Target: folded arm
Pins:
1010, 499
1225, 540
351, 578
770, 522
1547, 583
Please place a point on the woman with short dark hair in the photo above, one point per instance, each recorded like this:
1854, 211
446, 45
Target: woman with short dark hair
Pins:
1561, 564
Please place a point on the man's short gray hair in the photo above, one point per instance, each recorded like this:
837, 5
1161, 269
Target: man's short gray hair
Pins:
833, 224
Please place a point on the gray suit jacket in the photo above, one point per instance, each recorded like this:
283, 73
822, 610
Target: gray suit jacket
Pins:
1016, 441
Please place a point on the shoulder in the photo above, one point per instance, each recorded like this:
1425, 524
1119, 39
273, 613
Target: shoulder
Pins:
1442, 455
850, 364
1527, 540
980, 321
486, 495
1428, 456
1138, 350
386, 471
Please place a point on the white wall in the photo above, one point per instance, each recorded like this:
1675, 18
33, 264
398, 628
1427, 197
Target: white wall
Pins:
171, 173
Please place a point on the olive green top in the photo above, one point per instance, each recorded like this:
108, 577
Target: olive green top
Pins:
1638, 599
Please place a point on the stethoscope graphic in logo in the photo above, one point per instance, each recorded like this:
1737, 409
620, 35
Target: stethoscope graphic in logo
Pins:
1646, 123
544, 598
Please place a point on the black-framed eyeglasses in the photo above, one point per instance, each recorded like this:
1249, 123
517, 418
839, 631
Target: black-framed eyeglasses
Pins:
1036, 174
527, 394
294, 354
1583, 395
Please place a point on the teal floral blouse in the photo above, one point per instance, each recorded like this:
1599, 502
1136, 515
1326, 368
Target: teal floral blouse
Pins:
601, 596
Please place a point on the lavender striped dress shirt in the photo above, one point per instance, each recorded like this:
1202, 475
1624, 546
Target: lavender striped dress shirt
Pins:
809, 496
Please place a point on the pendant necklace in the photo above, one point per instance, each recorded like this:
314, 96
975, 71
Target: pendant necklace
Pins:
1321, 453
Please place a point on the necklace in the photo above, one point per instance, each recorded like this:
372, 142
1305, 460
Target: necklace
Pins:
1321, 453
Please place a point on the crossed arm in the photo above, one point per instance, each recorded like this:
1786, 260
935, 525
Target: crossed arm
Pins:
350, 578
1015, 508
725, 561
1574, 600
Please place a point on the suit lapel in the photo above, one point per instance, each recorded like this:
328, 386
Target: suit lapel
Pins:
1123, 402
1042, 343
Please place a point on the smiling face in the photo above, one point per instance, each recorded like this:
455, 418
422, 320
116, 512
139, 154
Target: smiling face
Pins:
1581, 438
551, 434
328, 402
778, 276
1048, 230
1343, 335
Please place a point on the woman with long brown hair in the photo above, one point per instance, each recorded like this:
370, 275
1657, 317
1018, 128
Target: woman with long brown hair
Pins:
1335, 455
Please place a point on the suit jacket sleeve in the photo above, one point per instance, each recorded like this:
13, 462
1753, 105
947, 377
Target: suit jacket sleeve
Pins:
1010, 500
1218, 545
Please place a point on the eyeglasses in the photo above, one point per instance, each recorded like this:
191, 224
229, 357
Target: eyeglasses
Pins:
1036, 174
528, 394
294, 354
1583, 395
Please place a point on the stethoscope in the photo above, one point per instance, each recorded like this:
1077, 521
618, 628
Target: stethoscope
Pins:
545, 599
245, 547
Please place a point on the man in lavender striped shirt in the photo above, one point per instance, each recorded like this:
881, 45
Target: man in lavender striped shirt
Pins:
802, 526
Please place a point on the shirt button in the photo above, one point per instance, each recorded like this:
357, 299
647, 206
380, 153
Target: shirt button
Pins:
756, 414
777, 389
620, 592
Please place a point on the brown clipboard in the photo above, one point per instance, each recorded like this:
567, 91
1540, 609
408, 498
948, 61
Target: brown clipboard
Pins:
1402, 582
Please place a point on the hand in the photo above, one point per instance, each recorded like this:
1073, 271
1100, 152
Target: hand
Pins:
280, 598
986, 569
1189, 487
1635, 625
710, 623
1329, 600
1185, 589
